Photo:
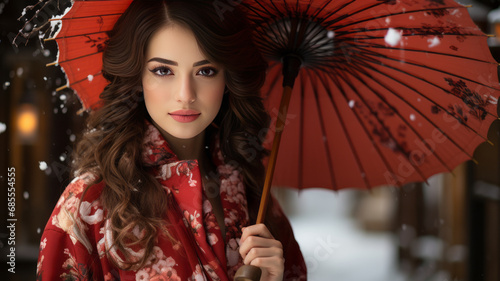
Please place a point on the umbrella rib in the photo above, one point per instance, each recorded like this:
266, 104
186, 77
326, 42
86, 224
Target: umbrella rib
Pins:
333, 21
437, 70
285, 4
413, 33
319, 43
334, 12
375, 145
314, 15
268, 48
375, 115
378, 46
374, 54
82, 35
344, 128
424, 96
323, 132
395, 14
84, 79
77, 58
384, 85
280, 36
271, 15
86, 17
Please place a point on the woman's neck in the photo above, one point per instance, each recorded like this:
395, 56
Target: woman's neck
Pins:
190, 149
186, 149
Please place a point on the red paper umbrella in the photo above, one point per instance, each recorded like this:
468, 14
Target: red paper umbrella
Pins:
387, 92
378, 92
81, 40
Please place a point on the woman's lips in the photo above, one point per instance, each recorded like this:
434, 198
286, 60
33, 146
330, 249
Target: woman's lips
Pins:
185, 115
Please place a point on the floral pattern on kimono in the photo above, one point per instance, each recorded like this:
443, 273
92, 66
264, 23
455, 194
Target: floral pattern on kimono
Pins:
77, 242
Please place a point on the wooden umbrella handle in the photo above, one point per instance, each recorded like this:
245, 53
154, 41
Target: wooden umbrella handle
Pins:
280, 125
291, 66
250, 272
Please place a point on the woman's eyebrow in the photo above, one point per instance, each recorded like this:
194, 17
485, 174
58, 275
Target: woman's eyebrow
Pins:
202, 62
171, 62
165, 61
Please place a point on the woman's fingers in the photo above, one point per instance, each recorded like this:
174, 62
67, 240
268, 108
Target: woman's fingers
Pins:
259, 248
256, 255
255, 242
256, 230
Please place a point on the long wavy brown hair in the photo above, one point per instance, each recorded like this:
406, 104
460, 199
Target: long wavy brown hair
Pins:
111, 146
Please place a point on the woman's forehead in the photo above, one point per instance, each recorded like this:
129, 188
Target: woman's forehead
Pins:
175, 42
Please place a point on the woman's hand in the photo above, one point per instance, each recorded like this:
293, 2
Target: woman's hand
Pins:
259, 248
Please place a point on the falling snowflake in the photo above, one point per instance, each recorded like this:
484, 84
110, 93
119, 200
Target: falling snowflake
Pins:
393, 37
43, 165
90, 77
3, 127
62, 97
412, 117
26, 195
352, 103
20, 71
433, 42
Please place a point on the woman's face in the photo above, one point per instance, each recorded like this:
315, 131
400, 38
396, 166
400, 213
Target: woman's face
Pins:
183, 90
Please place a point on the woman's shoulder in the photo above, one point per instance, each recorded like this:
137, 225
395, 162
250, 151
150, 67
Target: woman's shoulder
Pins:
77, 191
78, 207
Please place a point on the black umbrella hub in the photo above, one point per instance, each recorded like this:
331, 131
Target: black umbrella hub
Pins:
297, 37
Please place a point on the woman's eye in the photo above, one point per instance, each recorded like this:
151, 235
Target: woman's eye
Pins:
209, 72
161, 71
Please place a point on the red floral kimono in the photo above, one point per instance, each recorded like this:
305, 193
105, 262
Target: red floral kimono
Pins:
73, 246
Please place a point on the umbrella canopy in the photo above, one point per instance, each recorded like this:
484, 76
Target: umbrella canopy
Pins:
81, 39
388, 92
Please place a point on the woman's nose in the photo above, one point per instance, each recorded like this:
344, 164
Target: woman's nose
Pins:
186, 93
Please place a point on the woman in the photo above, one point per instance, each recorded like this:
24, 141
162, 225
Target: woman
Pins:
169, 173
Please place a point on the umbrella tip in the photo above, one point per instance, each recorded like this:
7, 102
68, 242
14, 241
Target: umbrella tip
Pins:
49, 39
475, 161
468, 6
51, 64
490, 35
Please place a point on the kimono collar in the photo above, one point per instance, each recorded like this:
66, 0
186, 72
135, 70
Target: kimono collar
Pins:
156, 151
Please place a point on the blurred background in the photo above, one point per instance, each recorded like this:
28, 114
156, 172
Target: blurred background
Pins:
445, 229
